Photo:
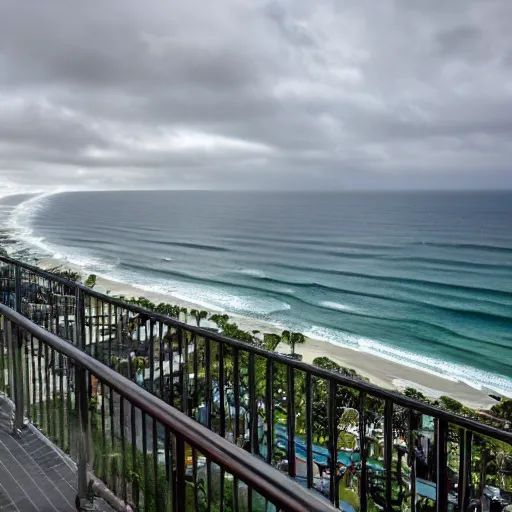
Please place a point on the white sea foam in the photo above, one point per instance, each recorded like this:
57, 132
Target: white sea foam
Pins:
20, 222
286, 290
20, 219
252, 272
477, 379
336, 305
225, 301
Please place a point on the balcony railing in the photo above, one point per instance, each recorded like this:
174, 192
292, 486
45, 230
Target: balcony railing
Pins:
362, 447
50, 381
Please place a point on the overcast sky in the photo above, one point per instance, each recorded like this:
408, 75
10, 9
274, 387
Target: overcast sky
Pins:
336, 94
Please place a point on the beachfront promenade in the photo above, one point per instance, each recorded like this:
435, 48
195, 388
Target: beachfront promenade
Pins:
165, 414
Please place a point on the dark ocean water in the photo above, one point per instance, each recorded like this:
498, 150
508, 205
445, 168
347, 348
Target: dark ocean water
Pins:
420, 278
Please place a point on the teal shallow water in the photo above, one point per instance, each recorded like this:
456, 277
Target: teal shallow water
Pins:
421, 278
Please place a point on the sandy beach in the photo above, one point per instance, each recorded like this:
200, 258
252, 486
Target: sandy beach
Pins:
379, 371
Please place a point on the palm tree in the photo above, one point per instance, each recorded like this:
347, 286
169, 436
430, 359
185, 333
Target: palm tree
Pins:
271, 341
91, 281
165, 309
219, 320
292, 339
198, 315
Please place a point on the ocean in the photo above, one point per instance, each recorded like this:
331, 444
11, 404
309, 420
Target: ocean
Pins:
423, 279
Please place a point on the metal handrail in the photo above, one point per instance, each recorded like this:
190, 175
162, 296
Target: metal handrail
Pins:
384, 394
266, 480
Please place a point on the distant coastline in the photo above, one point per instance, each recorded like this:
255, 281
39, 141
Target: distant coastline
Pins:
374, 357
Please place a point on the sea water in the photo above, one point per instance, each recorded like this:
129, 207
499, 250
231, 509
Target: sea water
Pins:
424, 279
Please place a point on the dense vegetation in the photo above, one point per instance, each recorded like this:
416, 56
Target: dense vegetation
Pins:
491, 460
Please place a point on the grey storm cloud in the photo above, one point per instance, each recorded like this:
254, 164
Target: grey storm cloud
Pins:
256, 94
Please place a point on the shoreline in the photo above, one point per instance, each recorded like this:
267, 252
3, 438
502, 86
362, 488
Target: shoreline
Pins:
380, 371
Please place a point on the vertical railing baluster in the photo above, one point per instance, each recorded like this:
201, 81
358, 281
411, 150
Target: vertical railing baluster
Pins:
57, 373
253, 420
208, 378
90, 326
88, 339
112, 414
152, 391
100, 334
464, 487
10, 356
181, 377
412, 457
3, 338
161, 355
26, 373
441, 464
168, 458
180, 476
17, 289
253, 407
269, 409
62, 401
151, 357
50, 305
19, 382
222, 391
83, 422
145, 460
47, 392
194, 479
79, 319
388, 451
309, 430
66, 317
17, 344
113, 329
40, 382
34, 379
290, 416
184, 372
103, 431
222, 432
55, 419
155, 466
135, 468
236, 429
171, 365
195, 364
363, 454
123, 448
209, 413
333, 444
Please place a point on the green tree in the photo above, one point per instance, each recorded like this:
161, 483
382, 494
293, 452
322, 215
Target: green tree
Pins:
416, 395
231, 330
70, 275
219, 320
91, 281
271, 341
503, 410
199, 315
292, 339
